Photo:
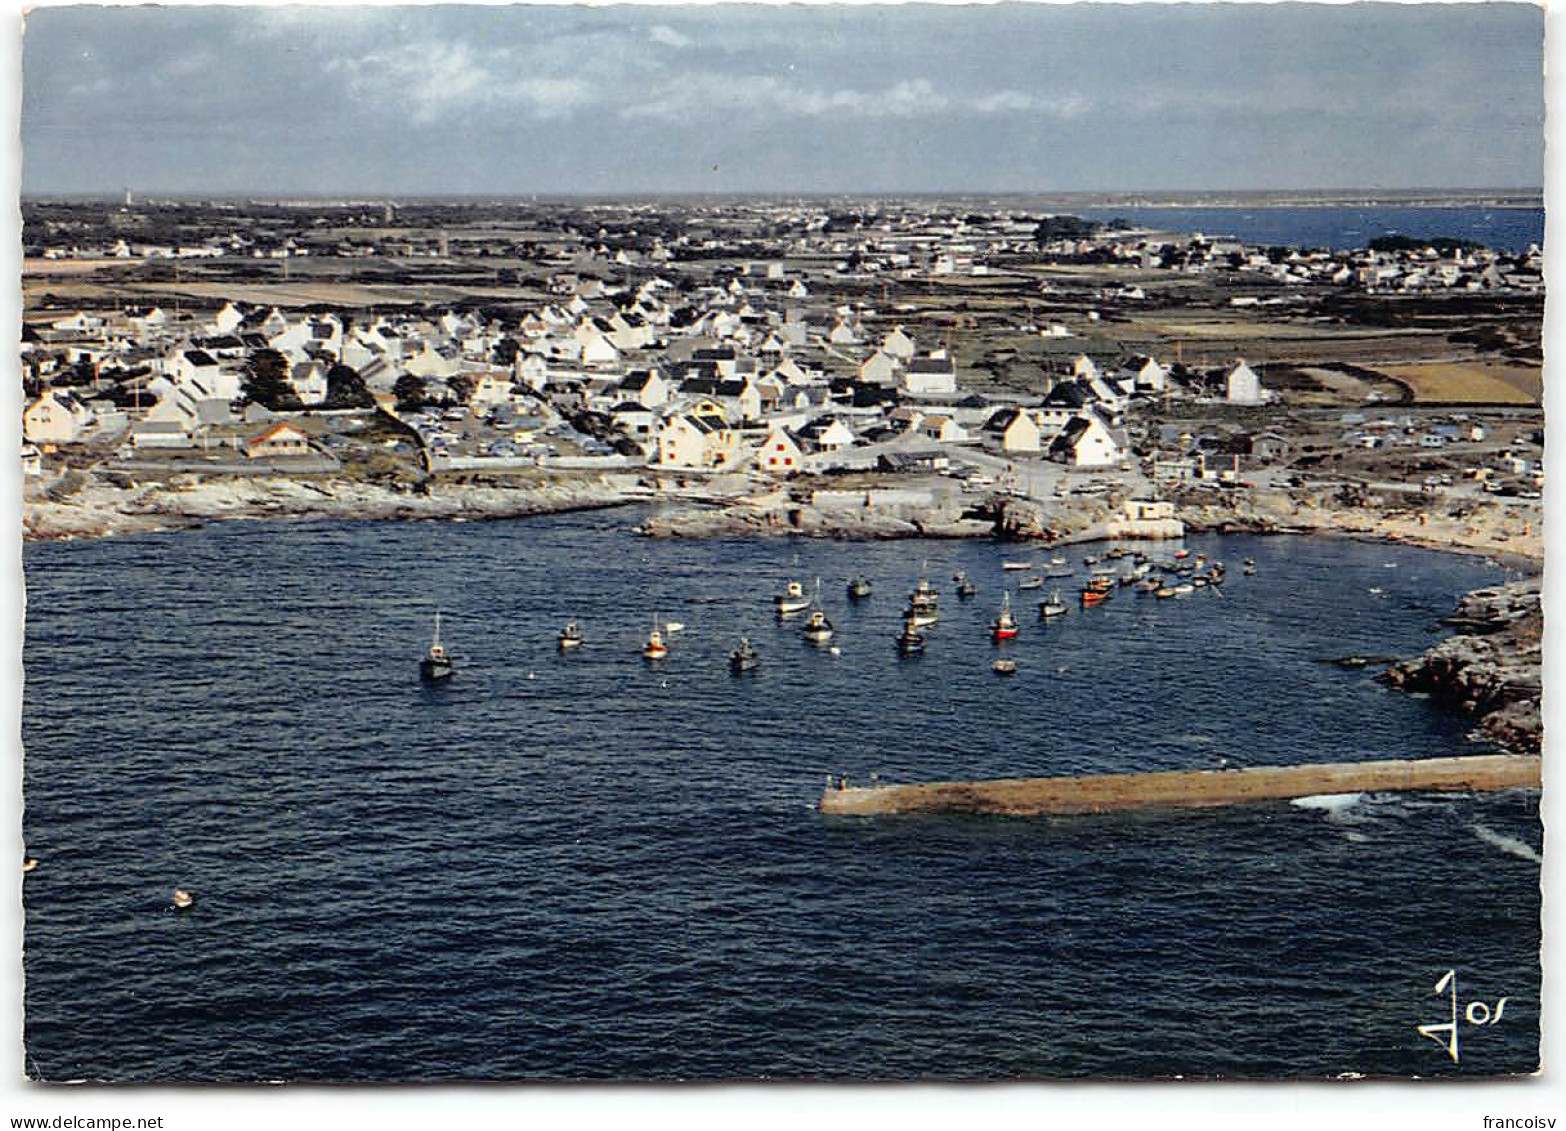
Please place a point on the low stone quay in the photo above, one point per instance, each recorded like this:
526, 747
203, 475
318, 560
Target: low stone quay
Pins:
1105, 793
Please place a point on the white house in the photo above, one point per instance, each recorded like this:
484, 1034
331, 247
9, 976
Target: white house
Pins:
935, 375
1243, 386
1087, 441
1015, 430
780, 453
647, 388
880, 368
280, 440
308, 382
1152, 377
56, 417
898, 345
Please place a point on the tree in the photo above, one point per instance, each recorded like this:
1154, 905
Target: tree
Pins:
462, 386
410, 393
1063, 228
345, 388
505, 352
266, 379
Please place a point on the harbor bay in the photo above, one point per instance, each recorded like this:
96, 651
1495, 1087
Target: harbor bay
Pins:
580, 864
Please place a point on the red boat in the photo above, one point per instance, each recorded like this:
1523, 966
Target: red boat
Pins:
1005, 626
1099, 589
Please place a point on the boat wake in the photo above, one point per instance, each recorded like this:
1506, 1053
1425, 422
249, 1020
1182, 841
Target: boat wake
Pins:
1336, 806
1508, 844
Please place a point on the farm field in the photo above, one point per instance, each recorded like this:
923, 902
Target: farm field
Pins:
1470, 382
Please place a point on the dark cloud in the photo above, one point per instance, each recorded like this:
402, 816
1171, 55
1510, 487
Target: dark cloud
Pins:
558, 99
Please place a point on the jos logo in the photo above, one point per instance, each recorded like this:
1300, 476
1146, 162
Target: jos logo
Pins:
1477, 1013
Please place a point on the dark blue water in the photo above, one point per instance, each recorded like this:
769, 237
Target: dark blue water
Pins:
584, 866
1505, 229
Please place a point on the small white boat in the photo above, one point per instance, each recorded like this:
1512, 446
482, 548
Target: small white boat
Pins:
183, 899
818, 630
1016, 565
571, 636
1004, 667
793, 599
673, 626
1054, 607
1034, 582
437, 663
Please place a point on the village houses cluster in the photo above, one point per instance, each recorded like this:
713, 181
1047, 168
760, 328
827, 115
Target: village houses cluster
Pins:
722, 377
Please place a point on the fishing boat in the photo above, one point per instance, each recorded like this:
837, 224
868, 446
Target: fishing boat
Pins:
966, 588
1164, 592
920, 617
1034, 582
744, 659
1054, 607
1250, 567
1057, 561
1149, 585
571, 636
1097, 590
1182, 554
818, 630
1061, 570
1090, 560
437, 663
859, 588
655, 648
793, 599
1004, 667
924, 595
910, 641
183, 900
1016, 565
1004, 627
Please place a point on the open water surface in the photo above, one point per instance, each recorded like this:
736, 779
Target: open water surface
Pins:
587, 866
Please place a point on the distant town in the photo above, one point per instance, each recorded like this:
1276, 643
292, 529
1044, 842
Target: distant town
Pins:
928, 363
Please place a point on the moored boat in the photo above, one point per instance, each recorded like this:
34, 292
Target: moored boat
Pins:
966, 588
859, 588
818, 630
745, 658
910, 641
1016, 565
1005, 626
571, 636
437, 663
655, 648
1034, 582
1004, 667
924, 595
793, 599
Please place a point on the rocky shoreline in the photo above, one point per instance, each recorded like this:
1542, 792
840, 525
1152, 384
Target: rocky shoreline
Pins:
84, 505
1491, 669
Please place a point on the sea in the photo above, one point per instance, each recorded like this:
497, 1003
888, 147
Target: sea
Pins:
590, 866
1340, 228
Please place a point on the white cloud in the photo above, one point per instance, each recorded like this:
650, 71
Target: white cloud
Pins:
690, 94
666, 35
433, 81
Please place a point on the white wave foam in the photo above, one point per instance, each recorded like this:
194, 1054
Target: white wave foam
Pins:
1509, 844
1332, 804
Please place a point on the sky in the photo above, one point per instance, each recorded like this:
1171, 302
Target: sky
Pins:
781, 99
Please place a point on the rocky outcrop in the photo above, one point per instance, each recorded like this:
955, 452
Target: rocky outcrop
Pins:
1491, 668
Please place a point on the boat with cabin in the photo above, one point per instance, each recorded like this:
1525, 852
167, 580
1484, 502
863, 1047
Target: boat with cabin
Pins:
1053, 606
1034, 582
655, 648
818, 630
793, 599
910, 642
1004, 627
437, 663
859, 588
924, 595
571, 636
1004, 667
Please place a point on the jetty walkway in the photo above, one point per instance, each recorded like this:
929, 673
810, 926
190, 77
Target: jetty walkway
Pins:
1105, 793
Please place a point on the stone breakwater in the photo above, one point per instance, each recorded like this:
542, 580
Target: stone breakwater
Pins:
1491, 668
